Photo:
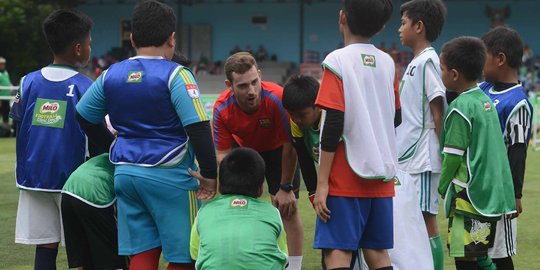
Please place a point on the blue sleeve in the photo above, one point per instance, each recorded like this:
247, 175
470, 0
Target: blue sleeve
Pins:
92, 105
185, 98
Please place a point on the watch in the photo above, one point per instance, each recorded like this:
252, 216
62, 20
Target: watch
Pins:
286, 187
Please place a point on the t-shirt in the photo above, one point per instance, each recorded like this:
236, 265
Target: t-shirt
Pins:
417, 142
93, 182
149, 101
471, 130
249, 235
50, 142
343, 181
266, 129
310, 137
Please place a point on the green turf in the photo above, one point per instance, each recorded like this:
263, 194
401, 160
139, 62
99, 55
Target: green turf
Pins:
14, 256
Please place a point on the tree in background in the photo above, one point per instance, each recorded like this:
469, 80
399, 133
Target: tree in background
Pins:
21, 40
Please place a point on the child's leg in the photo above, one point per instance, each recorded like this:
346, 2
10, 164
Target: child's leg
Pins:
378, 233
39, 223
335, 258
376, 258
429, 204
464, 263
146, 260
77, 247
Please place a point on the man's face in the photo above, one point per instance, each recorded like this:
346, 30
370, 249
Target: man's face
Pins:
247, 89
490, 68
406, 31
306, 117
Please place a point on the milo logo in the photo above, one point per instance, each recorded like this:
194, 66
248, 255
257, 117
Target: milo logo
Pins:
134, 76
239, 202
369, 60
49, 107
49, 113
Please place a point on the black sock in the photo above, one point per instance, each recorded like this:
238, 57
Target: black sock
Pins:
504, 263
385, 268
466, 265
45, 258
341, 268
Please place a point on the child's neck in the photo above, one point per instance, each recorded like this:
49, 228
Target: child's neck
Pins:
152, 51
466, 86
349, 38
64, 61
508, 76
419, 46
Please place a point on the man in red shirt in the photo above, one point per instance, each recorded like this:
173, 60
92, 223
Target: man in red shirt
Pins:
249, 113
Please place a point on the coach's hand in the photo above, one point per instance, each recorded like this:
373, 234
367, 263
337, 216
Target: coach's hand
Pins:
207, 186
320, 203
285, 202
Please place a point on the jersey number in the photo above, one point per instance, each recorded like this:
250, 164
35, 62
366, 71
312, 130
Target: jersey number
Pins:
70, 93
410, 71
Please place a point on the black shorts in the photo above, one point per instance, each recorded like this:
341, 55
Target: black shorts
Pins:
272, 160
91, 235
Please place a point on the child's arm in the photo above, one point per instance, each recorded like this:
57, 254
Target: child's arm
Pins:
519, 125
307, 165
456, 141
437, 111
435, 93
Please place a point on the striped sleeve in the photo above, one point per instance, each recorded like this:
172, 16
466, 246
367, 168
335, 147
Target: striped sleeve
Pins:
518, 127
185, 96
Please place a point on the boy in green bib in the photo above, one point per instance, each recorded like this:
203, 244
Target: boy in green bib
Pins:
236, 230
475, 181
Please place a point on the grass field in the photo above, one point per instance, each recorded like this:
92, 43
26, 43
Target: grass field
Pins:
14, 256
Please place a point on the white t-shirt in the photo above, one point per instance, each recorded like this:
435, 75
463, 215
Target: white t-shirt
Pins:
417, 142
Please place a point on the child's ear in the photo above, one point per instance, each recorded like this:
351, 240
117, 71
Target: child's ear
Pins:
132, 42
455, 75
501, 59
342, 17
419, 27
171, 41
77, 49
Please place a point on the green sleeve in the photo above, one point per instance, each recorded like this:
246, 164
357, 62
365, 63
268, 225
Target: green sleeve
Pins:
450, 166
457, 137
194, 242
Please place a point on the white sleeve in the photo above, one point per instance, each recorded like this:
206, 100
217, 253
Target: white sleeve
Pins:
433, 82
518, 126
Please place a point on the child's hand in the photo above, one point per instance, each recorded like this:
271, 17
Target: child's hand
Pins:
519, 209
320, 203
207, 186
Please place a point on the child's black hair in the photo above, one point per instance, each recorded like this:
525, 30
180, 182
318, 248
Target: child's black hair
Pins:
432, 13
502, 39
152, 23
241, 172
367, 17
64, 28
300, 92
467, 55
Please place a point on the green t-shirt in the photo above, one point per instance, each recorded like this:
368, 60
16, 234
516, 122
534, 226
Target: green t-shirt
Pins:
235, 232
311, 138
471, 129
5, 81
93, 182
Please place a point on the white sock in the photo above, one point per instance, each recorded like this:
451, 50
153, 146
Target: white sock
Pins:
295, 263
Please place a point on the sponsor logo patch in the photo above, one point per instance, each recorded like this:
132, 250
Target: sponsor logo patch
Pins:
49, 113
369, 60
487, 106
135, 76
192, 90
239, 202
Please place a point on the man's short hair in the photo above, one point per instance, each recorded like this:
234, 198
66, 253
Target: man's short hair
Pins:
367, 17
466, 55
502, 39
64, 28
239, 63
300, 92
241, 172
432, 13
152, 24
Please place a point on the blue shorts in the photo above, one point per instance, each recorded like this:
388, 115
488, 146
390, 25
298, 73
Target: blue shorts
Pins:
153, 214
356, 223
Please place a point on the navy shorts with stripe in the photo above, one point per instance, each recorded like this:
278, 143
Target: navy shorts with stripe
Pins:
356, 223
